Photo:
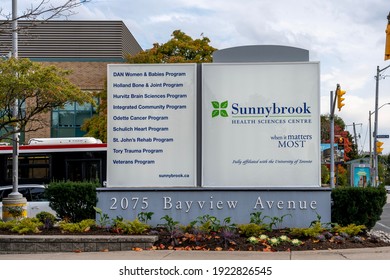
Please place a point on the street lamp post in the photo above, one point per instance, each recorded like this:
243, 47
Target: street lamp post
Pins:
373, 135
14, 206
15, 135
378, 71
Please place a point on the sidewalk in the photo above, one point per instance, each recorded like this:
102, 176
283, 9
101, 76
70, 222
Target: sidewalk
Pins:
380, 253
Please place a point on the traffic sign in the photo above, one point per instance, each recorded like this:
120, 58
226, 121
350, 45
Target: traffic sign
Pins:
382, 136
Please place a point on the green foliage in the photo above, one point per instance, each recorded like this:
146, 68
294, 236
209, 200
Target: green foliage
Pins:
81, 226
207, 223
41, 87
251, 229
325, 174
116, 222
103, 217
342, 176
73, 201
170, 224
180, 49
351, 230
145, 216
48, 219
23, 226
7, 225
228, 225
131, 227
359, 206
255, 218
96, 126
275, 221
314, 230
27, 225
3, 225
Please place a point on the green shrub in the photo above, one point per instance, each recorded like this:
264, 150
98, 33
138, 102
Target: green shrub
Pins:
3, 225
359, 206
73, 201
48, 219
131, 227
351, 230
251, 229
315, 229
22, 226
81, 226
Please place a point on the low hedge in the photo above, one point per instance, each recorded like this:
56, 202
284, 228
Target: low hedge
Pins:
360, 206
73, 201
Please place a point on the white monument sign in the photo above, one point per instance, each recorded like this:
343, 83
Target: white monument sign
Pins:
151, 125
261, 125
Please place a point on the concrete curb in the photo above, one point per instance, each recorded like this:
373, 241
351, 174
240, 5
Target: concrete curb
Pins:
378, 253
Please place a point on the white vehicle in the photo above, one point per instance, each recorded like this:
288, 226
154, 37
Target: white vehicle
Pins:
36, 201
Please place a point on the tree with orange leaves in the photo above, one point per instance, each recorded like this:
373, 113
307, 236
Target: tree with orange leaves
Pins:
350, 148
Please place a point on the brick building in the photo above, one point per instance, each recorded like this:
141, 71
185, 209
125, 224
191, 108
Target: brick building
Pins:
85, 48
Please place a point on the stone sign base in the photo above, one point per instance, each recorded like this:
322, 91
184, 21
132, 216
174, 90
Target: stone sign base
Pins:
34, 244
294, 206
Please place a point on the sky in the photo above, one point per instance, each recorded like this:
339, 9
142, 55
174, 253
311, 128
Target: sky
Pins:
347, 37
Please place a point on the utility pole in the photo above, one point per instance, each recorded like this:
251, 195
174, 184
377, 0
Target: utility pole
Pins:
378, 71
355, 137
337, 97
371, 158
331, 115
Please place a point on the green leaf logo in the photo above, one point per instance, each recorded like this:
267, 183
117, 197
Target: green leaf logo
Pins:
219, 109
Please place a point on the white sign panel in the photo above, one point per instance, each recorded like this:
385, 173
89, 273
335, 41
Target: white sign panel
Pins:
261, 125
151, 125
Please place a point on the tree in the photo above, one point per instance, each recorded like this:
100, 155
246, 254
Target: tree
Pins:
350, 148
180, 49
384, 169
38, 89
325, 174
96, 126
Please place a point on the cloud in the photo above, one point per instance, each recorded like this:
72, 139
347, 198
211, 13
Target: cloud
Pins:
345, 36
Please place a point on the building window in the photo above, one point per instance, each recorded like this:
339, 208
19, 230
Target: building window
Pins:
67, 121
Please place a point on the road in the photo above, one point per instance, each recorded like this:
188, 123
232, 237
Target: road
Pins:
384, 223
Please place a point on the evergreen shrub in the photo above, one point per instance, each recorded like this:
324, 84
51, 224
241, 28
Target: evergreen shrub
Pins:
73, 201
356, 205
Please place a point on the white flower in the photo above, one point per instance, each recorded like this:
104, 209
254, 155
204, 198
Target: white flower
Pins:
296, 242
263, 237
274, 241
253, 240
284, 238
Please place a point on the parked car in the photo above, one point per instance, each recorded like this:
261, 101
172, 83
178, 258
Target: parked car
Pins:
34, 193
387, 189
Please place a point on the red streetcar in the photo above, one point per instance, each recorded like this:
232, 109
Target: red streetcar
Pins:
45, 159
